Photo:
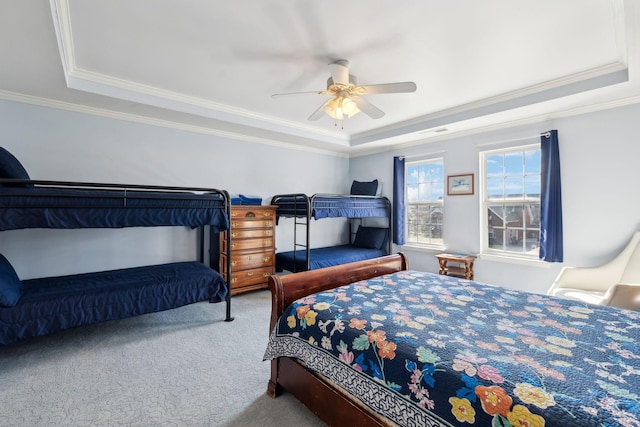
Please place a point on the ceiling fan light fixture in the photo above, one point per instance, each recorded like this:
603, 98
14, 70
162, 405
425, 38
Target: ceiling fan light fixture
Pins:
341, 108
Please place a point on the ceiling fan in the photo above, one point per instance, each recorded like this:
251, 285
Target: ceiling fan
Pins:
346, 99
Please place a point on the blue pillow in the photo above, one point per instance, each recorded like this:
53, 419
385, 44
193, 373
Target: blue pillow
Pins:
10, 285
370, 237
364, 188
10, 167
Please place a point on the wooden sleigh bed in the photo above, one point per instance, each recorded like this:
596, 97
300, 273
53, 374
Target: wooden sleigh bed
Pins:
467, 353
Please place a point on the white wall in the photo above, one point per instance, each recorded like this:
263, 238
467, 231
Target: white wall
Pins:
66, 146
601, 204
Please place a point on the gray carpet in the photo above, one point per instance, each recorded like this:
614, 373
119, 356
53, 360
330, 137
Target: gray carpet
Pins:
182, 367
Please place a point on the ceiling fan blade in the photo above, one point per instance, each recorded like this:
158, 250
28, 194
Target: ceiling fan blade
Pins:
319, 112
400, 87
340, 71
368, 108
317, 92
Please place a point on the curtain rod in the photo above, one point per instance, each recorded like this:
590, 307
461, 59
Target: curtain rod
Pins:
545, 134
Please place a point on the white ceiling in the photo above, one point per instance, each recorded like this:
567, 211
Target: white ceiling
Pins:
212, 66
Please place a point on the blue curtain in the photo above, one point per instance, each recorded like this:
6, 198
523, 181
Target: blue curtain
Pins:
398, 200
550, 199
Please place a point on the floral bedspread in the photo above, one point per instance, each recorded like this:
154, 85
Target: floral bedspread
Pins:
430, 350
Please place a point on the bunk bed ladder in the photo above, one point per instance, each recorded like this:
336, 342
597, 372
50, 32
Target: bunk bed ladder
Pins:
303, 221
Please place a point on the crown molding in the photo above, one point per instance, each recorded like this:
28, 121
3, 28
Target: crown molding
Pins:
101, 112
577, 111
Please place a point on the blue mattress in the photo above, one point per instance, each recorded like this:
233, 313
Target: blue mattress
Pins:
325, 257
331, 206
44, 207
52, 304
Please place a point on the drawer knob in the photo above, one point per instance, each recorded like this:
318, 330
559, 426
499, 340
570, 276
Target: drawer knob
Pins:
266, 259
266, 274
268, 223
249, 257
234, 234
233, 263
266, 213
234, 224
233, 245
250, 274
234, 280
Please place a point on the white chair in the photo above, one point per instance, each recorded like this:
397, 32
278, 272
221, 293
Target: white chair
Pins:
615, 283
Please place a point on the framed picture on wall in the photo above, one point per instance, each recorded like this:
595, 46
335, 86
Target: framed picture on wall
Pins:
459, 185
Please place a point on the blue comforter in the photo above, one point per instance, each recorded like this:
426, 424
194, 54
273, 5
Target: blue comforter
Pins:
51, 304
430, 350
95, 208
325, 257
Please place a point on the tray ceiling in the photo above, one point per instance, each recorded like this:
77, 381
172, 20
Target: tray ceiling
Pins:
213, 66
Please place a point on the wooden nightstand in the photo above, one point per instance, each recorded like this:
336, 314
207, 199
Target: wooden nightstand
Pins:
464, 267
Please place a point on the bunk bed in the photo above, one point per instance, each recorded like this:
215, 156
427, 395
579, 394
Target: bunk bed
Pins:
42, 306
364, 242
373, 343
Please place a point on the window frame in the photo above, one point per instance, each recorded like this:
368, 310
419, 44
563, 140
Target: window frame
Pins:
485, 202
440, 204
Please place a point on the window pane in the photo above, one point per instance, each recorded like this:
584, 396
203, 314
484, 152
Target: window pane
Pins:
412, 193
425, 196
495, 215
514, 163
532, 186
495, 165
424, 192
532, 215
412, 174
532, 159
512, 201
514, 187
495, 188
437, 191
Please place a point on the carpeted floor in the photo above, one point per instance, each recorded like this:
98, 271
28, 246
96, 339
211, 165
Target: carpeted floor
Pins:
182, 367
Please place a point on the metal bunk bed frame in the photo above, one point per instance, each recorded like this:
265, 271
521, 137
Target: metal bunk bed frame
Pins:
193, 191
302, 203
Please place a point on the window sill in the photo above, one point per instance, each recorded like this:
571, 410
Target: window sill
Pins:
422, 248
514, 260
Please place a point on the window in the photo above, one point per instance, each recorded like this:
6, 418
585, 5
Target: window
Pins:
424, 186
511, 223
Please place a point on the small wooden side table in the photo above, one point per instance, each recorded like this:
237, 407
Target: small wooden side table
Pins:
463, 269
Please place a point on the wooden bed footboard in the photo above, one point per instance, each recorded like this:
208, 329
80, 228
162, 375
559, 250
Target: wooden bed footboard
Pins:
329, 403
286, 289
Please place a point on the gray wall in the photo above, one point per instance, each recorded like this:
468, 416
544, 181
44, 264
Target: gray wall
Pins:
601, 205
599, 153
66, 146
